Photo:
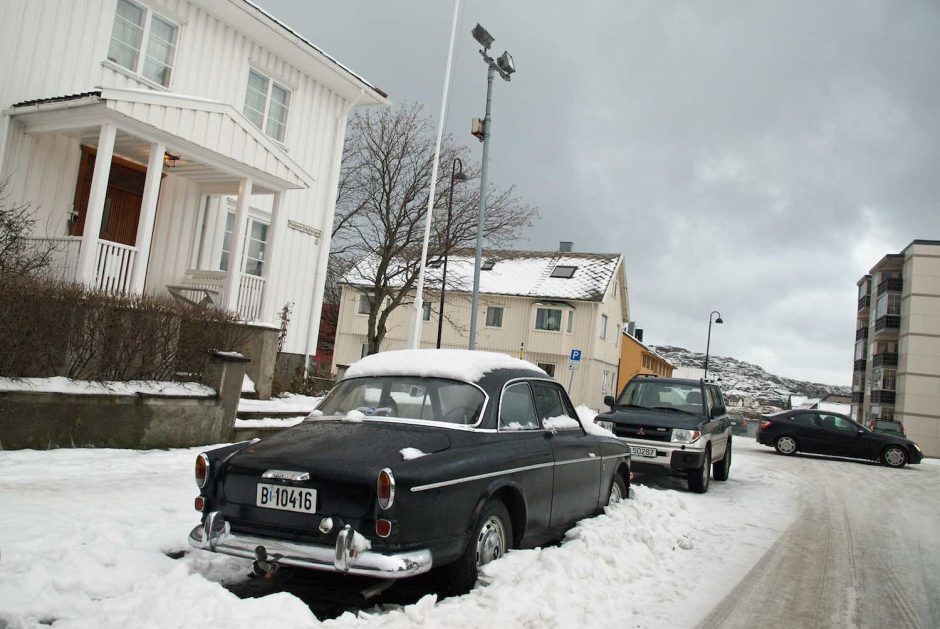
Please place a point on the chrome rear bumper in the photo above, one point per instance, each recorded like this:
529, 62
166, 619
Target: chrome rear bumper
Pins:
216, 535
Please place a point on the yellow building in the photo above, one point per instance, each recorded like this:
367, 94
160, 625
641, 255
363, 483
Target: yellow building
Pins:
636, 358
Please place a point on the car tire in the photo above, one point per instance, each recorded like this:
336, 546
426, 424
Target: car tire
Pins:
786, 445
618, 491
894, 456
722, 468
490, 538
699, 477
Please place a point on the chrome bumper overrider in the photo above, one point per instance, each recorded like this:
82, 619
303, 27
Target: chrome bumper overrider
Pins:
216, 535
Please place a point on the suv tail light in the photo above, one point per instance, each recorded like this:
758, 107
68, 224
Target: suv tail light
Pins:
765, 424
385, 488
202, 470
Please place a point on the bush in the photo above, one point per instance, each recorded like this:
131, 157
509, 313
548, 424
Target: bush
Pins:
54, 329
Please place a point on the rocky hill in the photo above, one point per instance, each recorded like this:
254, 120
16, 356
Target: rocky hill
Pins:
741, 380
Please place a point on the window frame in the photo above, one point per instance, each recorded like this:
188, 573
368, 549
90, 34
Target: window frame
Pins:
502, 310
543, 366
540, 308
603, 326
146, 31
426, 310
359, 301
266, 114
227, 236
564, 271
502, 398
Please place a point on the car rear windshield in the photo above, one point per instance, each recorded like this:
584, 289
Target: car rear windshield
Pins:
884, 424
400, 397
662, 395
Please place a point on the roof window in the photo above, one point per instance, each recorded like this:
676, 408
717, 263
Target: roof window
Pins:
488, 265
564, 271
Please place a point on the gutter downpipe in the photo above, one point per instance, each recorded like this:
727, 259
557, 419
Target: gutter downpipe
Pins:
326, 235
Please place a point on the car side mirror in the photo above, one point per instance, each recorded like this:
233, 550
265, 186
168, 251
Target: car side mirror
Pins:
860, 432
609, 400
718, 411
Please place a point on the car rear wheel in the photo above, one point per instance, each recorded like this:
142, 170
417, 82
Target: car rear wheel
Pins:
491, 537
894, 456
723, 467
699, 477
618, 490
785, 445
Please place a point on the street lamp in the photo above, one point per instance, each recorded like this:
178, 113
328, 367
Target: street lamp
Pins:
504, 66
455, 175
709, 342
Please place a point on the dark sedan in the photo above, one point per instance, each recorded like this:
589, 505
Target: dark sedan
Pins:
822, 432
416, 459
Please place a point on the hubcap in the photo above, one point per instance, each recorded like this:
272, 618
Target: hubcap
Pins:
615, 495
894, 457
491, 541
787, 445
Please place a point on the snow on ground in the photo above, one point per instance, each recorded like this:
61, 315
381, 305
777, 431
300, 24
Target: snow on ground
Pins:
289, 402
84, 537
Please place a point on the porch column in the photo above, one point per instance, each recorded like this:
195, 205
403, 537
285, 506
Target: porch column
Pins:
234, 272
268, 306
88, 255
148, 213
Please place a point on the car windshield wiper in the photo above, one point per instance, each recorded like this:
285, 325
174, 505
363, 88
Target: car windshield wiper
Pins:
672, 408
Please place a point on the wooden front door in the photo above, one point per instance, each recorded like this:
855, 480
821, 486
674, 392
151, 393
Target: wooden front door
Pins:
122, 199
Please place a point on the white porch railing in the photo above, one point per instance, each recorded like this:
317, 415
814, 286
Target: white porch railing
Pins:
207, 288
113, 267
63, 255
250, 288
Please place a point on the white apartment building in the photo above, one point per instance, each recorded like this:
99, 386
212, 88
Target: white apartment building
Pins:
535, 305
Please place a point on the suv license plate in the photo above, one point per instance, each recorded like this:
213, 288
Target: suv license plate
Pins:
297, 499
641, 451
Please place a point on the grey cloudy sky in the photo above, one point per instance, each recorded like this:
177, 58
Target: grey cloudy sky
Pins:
754, 158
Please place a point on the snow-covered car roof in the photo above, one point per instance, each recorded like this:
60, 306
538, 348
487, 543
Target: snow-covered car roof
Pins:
454, 364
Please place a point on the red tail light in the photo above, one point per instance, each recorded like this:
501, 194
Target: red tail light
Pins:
202, 470
385, 488
765, 424
200, 503
383, 528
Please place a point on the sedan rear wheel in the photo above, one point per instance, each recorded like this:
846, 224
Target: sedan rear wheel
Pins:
491, 537
894, 456
618, 491
785, 445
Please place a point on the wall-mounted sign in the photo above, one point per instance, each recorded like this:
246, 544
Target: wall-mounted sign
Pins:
307, 229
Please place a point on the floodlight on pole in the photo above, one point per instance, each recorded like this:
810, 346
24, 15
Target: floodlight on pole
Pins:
709, 341
414, 324
504, 66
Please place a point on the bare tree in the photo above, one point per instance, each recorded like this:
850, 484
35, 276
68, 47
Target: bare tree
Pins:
382, 205
19, 255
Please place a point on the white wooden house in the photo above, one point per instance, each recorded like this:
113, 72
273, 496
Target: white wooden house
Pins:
154, 138
534, 305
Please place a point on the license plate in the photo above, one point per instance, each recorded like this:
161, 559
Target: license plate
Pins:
299, 499
641, 451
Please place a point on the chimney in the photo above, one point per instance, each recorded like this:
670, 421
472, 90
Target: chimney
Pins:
639, 335
565, 246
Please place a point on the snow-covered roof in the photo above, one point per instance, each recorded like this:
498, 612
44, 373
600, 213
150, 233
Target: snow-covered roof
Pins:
454, 364
835, 407
647, 348
517, 273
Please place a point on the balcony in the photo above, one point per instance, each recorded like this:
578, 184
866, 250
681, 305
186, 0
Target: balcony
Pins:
864, 302
861, 333
858, 397
887, 323
881, 396
860, 365
885, 359
891, 285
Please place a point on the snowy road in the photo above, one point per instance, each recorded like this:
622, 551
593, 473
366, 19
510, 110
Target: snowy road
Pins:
864, 551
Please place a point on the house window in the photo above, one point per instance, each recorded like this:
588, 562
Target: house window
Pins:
364, 306
364, 350
426, 311
267, 104
548, 368
888, 304
134, 25
494, 317
255, 247
603, 326
570, 321
548, 319
564, 271
607, 382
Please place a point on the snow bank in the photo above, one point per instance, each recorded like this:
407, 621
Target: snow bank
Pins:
248, 385
455, 364
587, 415
86, 387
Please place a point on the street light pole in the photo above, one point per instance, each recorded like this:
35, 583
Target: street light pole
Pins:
455, 175
709, 341
505, 66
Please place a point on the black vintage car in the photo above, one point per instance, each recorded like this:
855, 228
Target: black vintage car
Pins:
417, 459
822, 432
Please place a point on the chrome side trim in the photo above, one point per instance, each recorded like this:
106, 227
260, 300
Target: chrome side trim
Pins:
616, 456
570, 461
467, 479
287, 475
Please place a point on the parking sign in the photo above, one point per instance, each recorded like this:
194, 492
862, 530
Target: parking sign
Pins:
575, 355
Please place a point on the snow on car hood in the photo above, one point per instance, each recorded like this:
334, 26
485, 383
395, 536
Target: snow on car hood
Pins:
454, 364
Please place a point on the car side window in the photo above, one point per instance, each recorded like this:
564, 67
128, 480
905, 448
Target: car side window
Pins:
715, 402
517, 409
835, 422
804, 419
551, 407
